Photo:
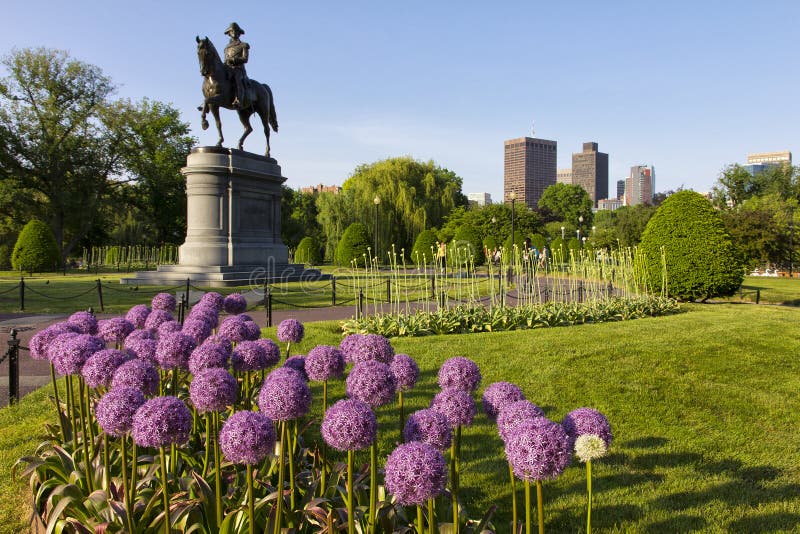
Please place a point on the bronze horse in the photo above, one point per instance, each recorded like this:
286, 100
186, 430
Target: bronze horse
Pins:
219, 91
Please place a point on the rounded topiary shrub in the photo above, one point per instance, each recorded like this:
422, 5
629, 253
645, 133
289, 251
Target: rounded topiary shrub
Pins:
425, 247
36, 248
519, 239
466, 246
307, 252
538, 241
353, 245
558, 250
686, 240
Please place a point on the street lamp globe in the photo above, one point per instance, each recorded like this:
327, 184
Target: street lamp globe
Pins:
376, 200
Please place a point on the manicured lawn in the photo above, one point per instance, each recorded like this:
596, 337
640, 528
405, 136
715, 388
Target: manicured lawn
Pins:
704, 407
772, 290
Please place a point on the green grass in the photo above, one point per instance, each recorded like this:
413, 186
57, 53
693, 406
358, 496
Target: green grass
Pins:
704, 406
772, 290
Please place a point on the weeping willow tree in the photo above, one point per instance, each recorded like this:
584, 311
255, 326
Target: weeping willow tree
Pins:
413, 195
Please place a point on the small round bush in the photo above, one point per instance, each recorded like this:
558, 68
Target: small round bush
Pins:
307, 252
425, 248
466, 247
36, 248
352, 247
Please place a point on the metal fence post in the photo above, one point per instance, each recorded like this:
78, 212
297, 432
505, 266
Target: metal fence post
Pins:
181, 309
333, 290
610, 289
580, 291
100, 295
22, 293
388, 290
13, 368
187, 292
360, 305
758, 296
433, 286
268, 305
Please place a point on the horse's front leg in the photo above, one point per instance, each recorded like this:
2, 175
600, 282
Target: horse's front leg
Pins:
215, 111
204, 110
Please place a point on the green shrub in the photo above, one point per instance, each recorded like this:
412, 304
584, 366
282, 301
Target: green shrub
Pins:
425, 247
466, 245
574, 246
307, 252
5, 257
353, 245
688, 238
36, 248
538, 241
519, 239
558, 250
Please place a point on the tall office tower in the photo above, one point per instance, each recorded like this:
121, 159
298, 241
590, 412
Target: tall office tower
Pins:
590, 171
620, 189
480, 199
640, 185
564, 176
530, 168
761, 162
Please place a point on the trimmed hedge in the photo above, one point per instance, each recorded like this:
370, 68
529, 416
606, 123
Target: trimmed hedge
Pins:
36, 249
425, 247
687, 236
466, 244
308, 252
353, 245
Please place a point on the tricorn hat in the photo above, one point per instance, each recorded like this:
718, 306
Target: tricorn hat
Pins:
234, 28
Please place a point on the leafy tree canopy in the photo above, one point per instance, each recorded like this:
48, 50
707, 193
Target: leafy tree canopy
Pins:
566, 202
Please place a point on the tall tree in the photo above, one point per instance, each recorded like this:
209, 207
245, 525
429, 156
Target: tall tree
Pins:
568, 203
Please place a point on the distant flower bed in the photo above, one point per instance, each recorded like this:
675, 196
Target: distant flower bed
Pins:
466, 319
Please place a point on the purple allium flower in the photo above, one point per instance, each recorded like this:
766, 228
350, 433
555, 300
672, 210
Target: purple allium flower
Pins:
233, 329
157, 317
212, 299
221, 342
515, 413
100, 366
284, 397
244, 317
370, 347
164, 301
324, 362
247, 437
137, 374
456, 404
138, 315
234, 304
162, 421
249, 356
41, 340
405, 371
291, 331
428, 426
169, 327
499, 395
587, 421
212, 390
371, 382
253, 330
459, 373
207, 356
85, 322
139, 334
298, 363
205, 313
173, 350
114, 411
114, 330
538, 450
69, 352
198, 328
349, 425
272, 349
142, 348
348, 346
415, 472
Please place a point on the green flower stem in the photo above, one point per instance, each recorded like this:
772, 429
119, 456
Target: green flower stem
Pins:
589, 490
89, 419
126, 490
162, 375
58, 404
351, 524
134, 471
293, 444
513, 497
86, 457
431, 516
107, 464
279, 509
527, 507
251, 506
288, 346
173, 460
217, 469
247, 390
324, 449
455, 448
373, 484
402, 414
420, 521
164, 489
71, 413
175, 381
540, 505
207, 456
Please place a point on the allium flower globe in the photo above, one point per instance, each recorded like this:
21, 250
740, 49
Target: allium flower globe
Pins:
233, 329
324, 362
428, 426
249, 356
272, 350
139, 334
164, 301
455, 404
284, 397
371, 382
207, 356
198, 328
69, 352
157, 317
173, 350
298, 363
114, 330
41, 340
370, 347
498, 395
285, 373
587, 421
137, 315
100, 366
538, 450
291, 331
414, 473
590, 447
114, 411
85, 322
137, 374
247, 438
170, 327
348, 346
213, 390
162, 421
222, 342
515, 413
212, 299
405, 371
460, 373
252, 330
142, 348
349, 425
234, 304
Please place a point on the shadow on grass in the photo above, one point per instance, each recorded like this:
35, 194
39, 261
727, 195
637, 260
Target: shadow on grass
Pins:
677, 523
780, 521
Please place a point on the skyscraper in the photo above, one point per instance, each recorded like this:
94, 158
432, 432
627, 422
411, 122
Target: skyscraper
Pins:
529, 169
480, 199
762, 162
564, 176
590, 171
620, 189
640, 185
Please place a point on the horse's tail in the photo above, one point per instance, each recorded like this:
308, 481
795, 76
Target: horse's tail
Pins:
273, 117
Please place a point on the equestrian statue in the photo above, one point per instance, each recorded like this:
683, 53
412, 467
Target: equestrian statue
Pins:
226, 85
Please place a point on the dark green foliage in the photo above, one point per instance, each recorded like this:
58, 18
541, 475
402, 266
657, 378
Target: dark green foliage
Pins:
574, 246
353, 246
631, 222
36, 248
566, 202
308, 252
519, 240
526, 222
299, 217
688, 234
5, 257
425, 247
466, 245
489, 244
558, 250
538, 242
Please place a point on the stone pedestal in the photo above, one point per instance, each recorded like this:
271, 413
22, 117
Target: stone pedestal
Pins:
233, 223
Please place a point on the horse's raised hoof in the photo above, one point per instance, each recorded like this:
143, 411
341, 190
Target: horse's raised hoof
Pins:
241, 146
204, 124
219, 145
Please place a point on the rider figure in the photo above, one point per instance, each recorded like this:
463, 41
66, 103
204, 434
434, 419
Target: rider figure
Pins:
236, 54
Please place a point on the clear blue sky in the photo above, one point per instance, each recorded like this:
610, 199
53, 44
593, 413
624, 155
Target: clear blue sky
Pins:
686, 86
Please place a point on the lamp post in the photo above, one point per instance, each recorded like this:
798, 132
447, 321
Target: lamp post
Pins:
562, 233
513, 197
377, 201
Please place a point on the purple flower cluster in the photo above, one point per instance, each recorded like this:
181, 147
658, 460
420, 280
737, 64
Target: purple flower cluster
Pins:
349, 425
157, 317
212, 390
41, 340
100, 366
198, 328
212, 299
369, 347
324, 363
515, 413
297, 363
162, 421
169, 327
585, 421
371, 382
142, 348
247, 438
208, 356
291, 331
234, 304
253, 331
460, 373
221, 342
405, 371
349, 344
249, 356
272, 350
138, 315
85, 322
538, 450
164, 301
284, 397
114, 411
69, 352
114, 330
455, 404
415, 472
428, 426
137, 374
498, 395
234, 329
173, 350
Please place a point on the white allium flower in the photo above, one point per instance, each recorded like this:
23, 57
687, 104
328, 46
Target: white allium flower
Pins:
589, 447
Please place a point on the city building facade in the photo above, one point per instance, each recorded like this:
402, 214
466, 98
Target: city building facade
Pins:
640, 185
529, 169
564, 176
590, 171
610, 204
763, 161
319, 188
620, 189
480, 199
